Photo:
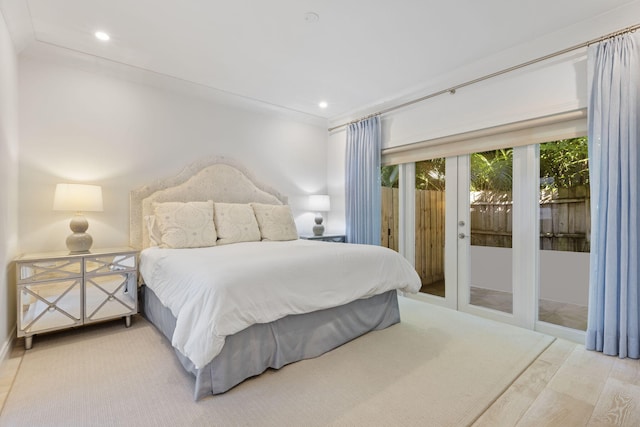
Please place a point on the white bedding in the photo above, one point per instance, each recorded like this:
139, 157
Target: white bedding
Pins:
218, 291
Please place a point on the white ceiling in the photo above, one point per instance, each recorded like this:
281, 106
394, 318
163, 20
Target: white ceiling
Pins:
358, 54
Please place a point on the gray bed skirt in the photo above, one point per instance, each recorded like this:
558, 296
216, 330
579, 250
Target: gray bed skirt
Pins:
273, 345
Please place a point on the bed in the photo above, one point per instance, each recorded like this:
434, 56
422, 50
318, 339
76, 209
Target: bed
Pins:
234, 303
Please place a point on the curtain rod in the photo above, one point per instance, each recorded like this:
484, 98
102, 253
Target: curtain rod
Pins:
453, 89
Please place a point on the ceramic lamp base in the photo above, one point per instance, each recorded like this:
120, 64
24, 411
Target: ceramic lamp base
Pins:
79, 241
318, 229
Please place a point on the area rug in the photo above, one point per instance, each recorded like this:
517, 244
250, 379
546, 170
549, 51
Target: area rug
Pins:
438, 367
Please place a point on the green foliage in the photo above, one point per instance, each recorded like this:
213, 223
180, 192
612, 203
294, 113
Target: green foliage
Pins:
389, 176
430, 174
564, 163
492, 170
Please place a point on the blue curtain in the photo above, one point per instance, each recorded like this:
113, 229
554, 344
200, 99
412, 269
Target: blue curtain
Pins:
363, 192
614, 80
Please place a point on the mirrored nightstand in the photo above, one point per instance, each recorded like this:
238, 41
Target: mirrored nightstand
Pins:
57, 290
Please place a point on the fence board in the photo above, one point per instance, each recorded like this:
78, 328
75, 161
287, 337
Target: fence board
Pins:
389, 215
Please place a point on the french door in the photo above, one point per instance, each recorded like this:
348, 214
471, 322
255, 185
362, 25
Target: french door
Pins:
461, 270
494, 270
497, 229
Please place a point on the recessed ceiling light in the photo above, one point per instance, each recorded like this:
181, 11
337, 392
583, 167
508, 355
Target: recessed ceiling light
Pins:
323, 104
101, 35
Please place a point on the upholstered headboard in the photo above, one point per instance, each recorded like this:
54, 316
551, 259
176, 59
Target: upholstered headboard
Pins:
218, 179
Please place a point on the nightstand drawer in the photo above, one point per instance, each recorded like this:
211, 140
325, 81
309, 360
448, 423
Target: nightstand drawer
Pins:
49, 269
106, 264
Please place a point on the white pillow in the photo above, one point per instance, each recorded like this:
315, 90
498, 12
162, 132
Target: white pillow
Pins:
275, 222
185, 225
235, 223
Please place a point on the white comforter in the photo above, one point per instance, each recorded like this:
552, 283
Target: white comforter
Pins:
218, 291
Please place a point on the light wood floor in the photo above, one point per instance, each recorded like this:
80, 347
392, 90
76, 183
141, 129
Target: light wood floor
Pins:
570, 386
565, 386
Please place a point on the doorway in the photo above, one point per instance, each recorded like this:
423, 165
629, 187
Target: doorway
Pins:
478, 230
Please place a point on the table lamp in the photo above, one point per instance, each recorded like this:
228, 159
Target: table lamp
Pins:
78, 198
319, 203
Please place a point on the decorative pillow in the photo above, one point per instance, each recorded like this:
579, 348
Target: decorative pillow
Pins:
185, 225
275, 222
235, 223
155, 235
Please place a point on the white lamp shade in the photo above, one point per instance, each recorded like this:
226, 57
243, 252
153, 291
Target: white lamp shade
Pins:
78, 198
320, 203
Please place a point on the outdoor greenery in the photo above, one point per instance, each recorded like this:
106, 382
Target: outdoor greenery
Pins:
389, 176
492, 170
430, 175
563, 164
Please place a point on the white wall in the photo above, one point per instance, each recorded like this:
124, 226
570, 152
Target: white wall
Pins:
8, 184
115, 127
335, 182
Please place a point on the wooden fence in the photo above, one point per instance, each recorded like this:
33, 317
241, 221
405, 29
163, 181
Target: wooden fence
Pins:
564, 224
491, 219
430, 212
389, 231
565, 220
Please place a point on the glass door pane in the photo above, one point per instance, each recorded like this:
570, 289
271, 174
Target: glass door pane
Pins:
430, 225
491, 205
564, 233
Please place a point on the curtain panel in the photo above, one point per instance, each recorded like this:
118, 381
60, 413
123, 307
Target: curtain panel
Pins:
614, 80
362, 186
